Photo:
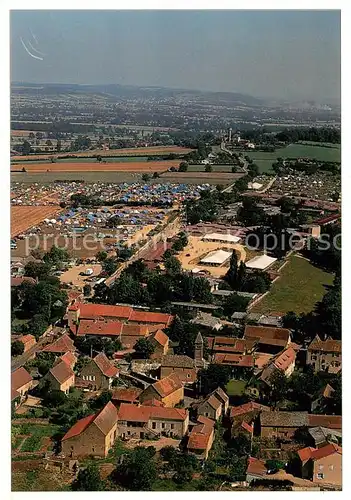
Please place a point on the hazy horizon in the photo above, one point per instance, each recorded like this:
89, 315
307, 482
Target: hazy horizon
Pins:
289, 55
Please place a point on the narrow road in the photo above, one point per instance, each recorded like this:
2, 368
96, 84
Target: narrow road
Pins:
152, 241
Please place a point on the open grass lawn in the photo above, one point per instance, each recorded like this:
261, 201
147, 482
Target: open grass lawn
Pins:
264, 160
298, 289
235, 387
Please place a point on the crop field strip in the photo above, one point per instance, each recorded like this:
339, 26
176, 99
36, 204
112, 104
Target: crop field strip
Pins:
147, 151
143, 166
25, 217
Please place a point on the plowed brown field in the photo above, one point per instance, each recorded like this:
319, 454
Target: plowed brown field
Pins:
25, 217
152, 150
128, 166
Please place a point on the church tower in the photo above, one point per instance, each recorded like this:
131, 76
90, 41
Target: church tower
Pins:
199, 350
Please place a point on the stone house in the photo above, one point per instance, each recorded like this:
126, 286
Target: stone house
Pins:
128, 395
93, 435
283, 362
21, 383
324, 355
322, 466
183, 366
268, 339
99, 372
247, 413
282, 424
61, 377
149, 421
160, 341
61, 345
201, 438
210, 407
169, 391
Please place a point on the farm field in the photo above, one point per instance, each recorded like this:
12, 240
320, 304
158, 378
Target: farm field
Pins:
49, 177
25, 217
201, 177
264, 160
108, 159
215, 168
146, 151
298, 289
146, 166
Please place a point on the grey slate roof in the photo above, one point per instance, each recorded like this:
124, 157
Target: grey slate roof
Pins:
284, 419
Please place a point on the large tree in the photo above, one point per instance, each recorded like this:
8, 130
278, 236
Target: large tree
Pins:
88, 479
17, 348
137, 472
144, 348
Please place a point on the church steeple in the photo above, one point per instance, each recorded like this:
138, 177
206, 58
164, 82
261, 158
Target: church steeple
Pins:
199, 350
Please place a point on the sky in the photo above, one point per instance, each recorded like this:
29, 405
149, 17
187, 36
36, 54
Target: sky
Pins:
292, 55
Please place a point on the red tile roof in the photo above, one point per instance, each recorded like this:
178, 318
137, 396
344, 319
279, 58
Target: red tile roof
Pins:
305, 453
329, 421
247, 427
262, 359
19, 378
105, 366
94, 311
63, 344
326, 451
14, 394
90, 311
134, 330
244, 360
104, 420
27, 339
213, 401
236, 411
200, 435
328, 345
99, 327
129, 395
150, 317
317, 453
285, 359
133, 413
266, 334
79, 427
230, 344
256, 467
205, 420
69, 358
61, 372
143, 413
152, 402
161, 338
168, 385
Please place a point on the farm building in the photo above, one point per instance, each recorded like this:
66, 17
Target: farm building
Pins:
216, 258
225, 238
261, 262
